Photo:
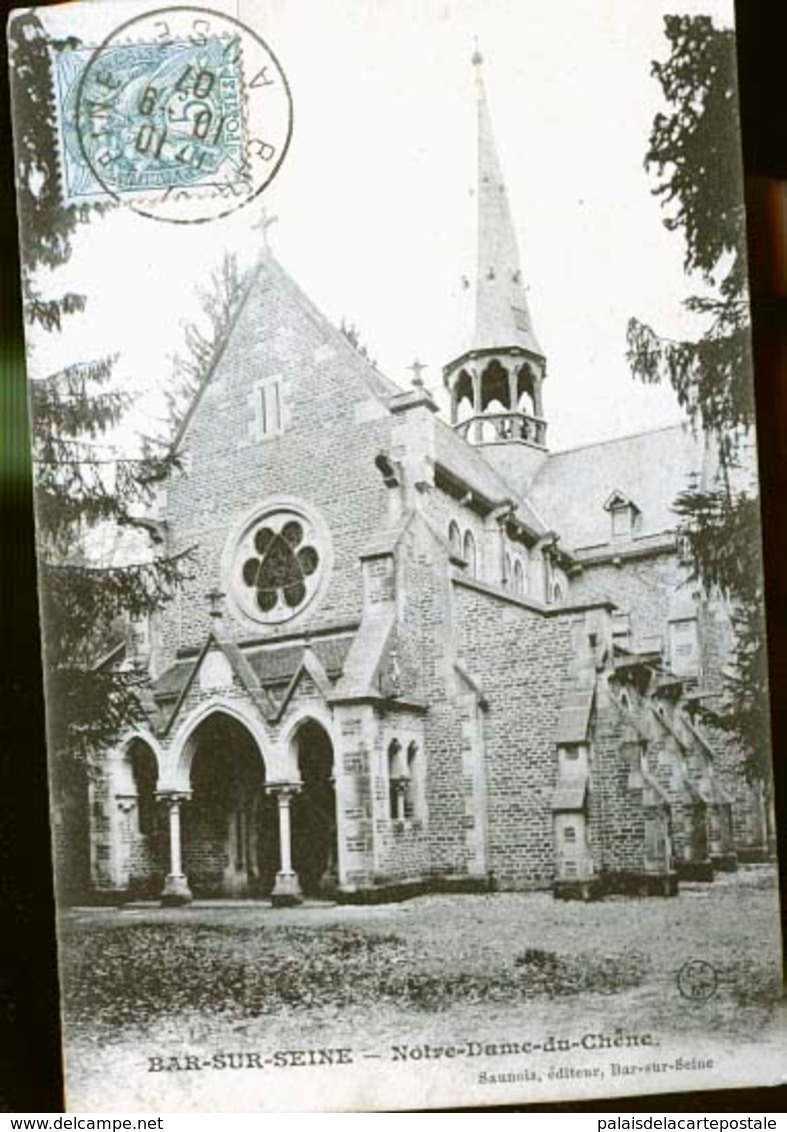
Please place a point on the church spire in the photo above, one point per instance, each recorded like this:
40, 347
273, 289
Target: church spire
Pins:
502, 317
496, 381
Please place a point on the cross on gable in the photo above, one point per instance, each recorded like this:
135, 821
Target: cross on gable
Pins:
266, 220
418, 369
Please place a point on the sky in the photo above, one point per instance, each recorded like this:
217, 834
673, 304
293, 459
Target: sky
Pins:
375, 198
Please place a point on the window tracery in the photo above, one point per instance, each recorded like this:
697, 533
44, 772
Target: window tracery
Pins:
277, 565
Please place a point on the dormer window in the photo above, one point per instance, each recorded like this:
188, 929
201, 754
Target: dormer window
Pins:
624, 516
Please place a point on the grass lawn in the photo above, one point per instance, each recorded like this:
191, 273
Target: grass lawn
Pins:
144, 979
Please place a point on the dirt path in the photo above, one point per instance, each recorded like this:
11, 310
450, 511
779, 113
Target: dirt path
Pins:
631, 1039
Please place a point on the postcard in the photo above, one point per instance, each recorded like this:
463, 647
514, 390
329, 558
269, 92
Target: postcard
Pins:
399, 551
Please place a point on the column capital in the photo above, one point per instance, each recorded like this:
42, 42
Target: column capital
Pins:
173, 797
283, 789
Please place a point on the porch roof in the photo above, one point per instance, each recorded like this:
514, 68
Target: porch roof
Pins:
275, 664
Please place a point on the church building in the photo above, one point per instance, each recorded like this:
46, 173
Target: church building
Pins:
419, 654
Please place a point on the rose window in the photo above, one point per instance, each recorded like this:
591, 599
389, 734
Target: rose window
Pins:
279, 560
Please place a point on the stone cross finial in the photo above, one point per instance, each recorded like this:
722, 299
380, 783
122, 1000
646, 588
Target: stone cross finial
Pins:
266, 221
216, 599
418, 369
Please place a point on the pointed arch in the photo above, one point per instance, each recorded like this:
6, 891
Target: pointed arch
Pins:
183, 746
455, 538
495, 386
144, 769
469, 553
464, 395
526, 390
314, 816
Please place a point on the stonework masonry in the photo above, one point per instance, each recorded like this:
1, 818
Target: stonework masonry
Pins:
418, 654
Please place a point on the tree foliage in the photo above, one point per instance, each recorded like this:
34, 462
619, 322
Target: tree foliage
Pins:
694, 151
81, 481
220, 301
353, 336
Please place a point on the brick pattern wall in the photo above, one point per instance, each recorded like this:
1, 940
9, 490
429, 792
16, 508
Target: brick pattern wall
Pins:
427, 633
667, 761
355, 728
617, 814
641, 586
333, 429
402, 850
522, 661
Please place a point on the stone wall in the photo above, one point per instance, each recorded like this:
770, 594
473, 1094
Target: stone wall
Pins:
521, 659
333, 427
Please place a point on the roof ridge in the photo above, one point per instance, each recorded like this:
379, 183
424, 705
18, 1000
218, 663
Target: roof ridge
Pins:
617, 439
508, 491
366, 367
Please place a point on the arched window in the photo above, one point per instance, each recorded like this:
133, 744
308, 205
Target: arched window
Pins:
525, 393
557, 592
495, 389
395, 777
411, 801
469, 553
519, 578
464, 396
455, 538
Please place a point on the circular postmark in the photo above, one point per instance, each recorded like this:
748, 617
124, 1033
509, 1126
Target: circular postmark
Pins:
697, 980
183, 113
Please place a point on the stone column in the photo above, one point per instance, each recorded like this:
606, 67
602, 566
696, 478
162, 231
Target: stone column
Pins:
400, 787
454, 403
512, 390
176, 887
538, 403
287, 889
478, 424
501, 535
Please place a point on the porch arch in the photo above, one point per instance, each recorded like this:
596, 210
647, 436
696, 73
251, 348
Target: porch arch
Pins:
230, 827
314, 816
181, 747
121, 762
138, 846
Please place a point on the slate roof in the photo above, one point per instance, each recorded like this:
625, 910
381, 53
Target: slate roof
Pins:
469, 465
652, 468
575, 708
570, 792
277, 665
270, 665
502, 317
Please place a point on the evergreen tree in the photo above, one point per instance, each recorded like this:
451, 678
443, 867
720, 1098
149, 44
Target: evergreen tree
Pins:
81, 482
694, 150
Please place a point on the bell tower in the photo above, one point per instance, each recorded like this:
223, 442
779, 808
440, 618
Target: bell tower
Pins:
496, 382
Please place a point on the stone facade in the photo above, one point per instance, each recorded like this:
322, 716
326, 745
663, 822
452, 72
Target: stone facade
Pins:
416, 654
